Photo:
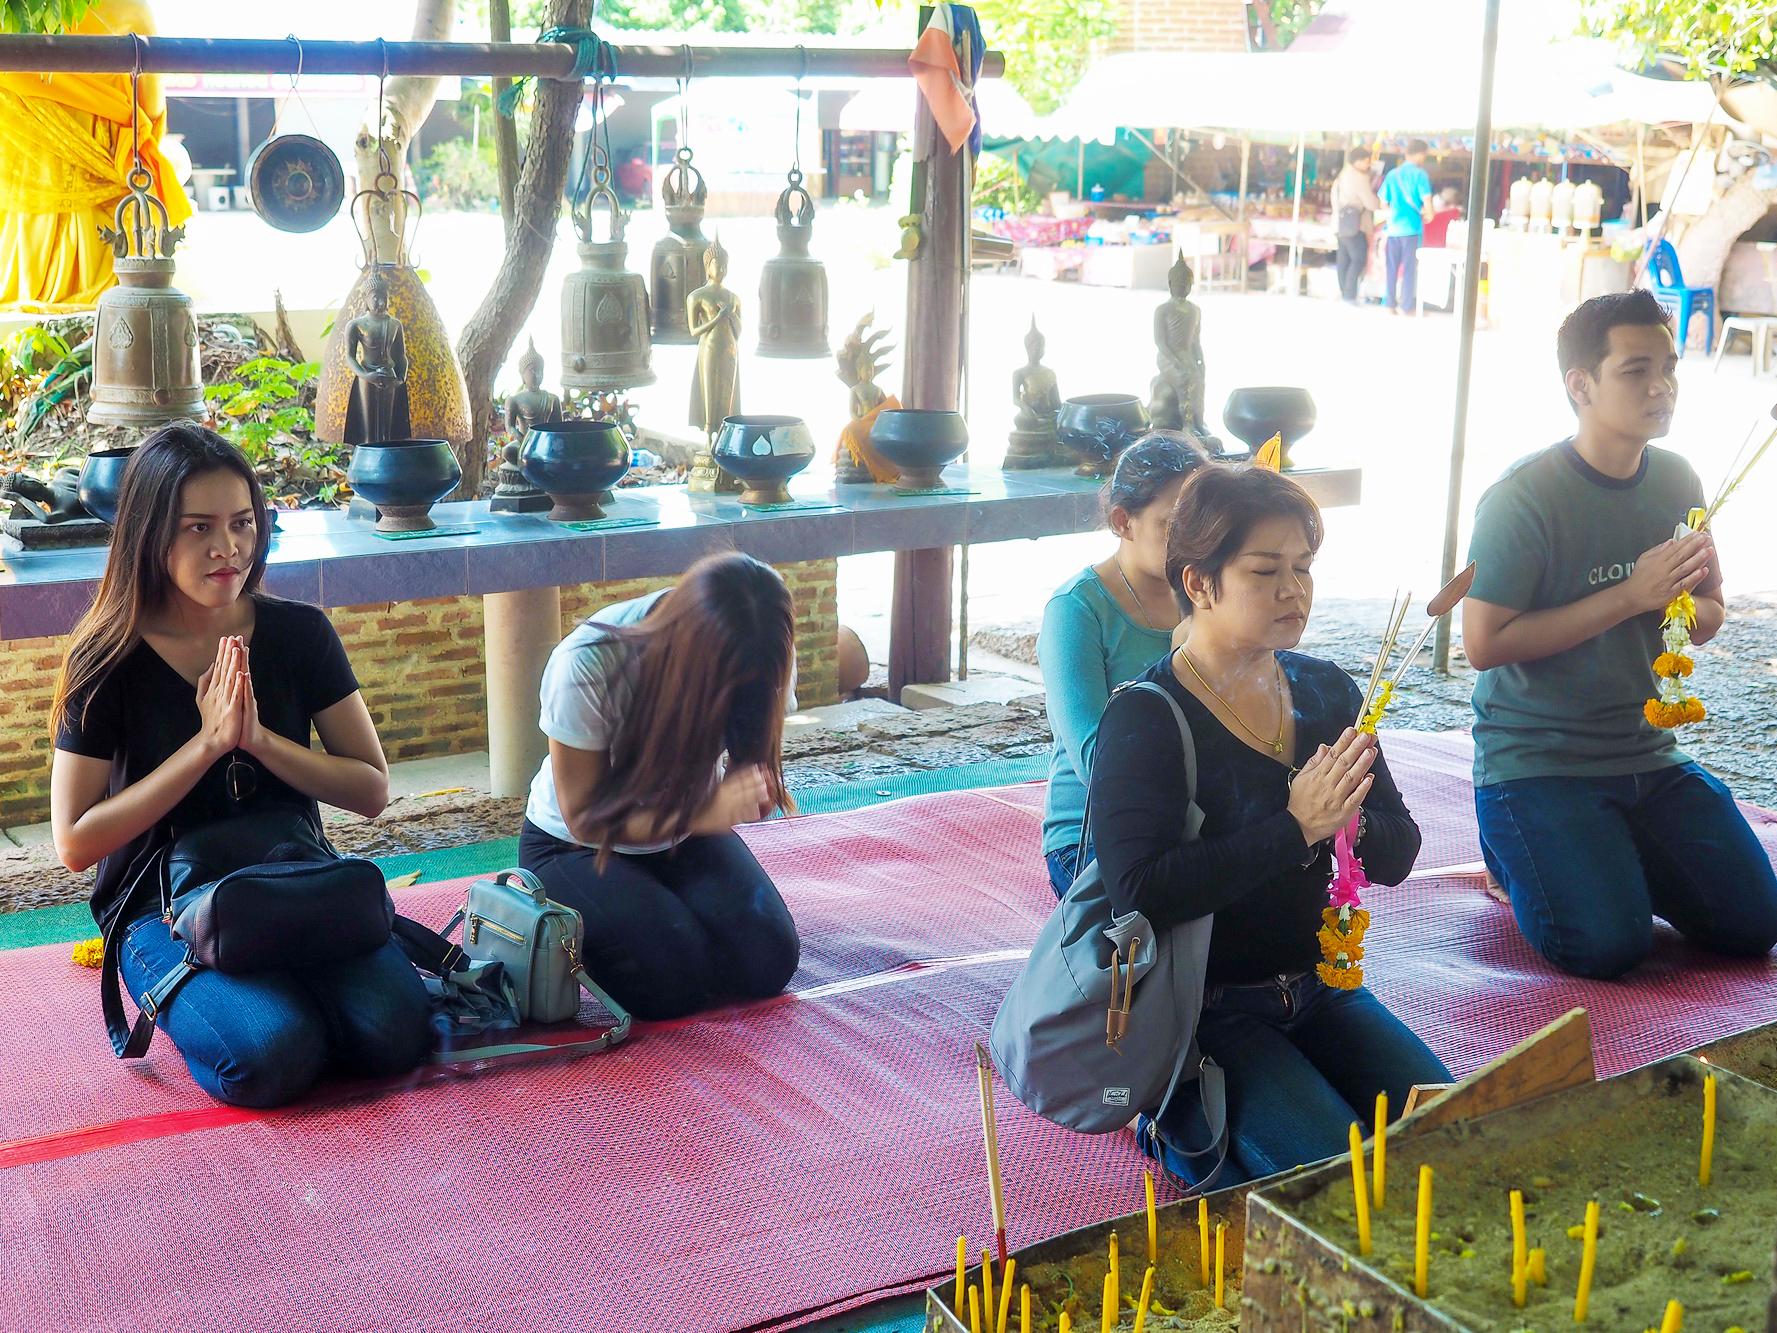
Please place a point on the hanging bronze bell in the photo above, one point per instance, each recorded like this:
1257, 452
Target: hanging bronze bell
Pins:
675, 269
605, 331
793, 287
145, 356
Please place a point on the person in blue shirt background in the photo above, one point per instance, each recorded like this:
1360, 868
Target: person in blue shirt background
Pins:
1406, 193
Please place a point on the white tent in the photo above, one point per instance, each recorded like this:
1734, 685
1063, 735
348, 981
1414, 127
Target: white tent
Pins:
887, 104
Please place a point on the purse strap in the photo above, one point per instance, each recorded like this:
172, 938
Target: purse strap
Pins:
129, 1041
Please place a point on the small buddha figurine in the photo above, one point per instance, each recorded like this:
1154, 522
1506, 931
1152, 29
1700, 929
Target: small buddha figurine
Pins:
861, 360
713, 313
1038, 399
376, 352
1176, 398
533, 405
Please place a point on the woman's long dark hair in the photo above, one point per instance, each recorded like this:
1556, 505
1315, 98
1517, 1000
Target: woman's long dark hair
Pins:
136, 580
713, 667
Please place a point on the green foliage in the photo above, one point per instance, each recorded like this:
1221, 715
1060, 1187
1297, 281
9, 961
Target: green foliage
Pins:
1048, 43
265, 412
457, 175
1712, 37
707, 15
1000, 184
1289, 17
31, 351
42, 16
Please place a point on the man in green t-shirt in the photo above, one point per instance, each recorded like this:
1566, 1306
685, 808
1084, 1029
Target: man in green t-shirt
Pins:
1592, 819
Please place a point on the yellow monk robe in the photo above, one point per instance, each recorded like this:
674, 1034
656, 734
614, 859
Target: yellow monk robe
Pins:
855, 441
64, 163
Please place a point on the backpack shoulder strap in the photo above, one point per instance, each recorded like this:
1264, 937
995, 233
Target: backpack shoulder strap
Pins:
1186, 740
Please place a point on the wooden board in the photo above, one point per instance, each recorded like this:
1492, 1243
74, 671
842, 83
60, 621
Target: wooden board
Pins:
1552, 1060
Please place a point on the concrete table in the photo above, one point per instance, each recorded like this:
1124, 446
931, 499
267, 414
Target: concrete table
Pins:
518, 563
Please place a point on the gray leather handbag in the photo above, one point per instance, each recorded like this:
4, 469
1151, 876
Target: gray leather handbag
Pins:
511, 919
1102, 1022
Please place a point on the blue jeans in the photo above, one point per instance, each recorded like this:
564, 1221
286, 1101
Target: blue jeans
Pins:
1063, 868
263, 1040
1589, 863
1401, 256
1302, 1062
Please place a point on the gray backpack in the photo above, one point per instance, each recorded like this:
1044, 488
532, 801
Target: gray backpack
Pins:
1050, 1039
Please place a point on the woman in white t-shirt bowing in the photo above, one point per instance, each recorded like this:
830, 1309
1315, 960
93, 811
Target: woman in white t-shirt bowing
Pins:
665, 718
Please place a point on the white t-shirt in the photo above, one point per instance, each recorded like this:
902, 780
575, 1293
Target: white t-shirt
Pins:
588, 685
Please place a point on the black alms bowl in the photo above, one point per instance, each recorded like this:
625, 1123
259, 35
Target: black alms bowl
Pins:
919, 442
1253, 415
1099, 426
575, 462
403, 479
762, 453
101, 479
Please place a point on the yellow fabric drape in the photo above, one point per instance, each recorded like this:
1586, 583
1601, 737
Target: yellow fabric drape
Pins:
854, 441
65, 159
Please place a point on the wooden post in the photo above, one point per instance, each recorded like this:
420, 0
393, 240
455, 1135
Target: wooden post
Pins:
936, 342
1296, 219
499, 22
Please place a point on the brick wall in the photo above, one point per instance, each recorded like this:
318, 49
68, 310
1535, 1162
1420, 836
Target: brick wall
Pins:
420, 666
1180, 25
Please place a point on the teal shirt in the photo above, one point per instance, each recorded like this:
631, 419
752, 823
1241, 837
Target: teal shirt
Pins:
1404, 192
1088, 647
1549, 532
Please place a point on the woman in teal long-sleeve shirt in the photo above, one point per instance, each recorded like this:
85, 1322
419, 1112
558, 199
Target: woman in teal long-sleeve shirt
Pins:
1106, 625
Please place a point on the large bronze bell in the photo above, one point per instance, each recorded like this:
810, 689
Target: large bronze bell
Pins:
793, 287
675, 269
605, 331
145, 357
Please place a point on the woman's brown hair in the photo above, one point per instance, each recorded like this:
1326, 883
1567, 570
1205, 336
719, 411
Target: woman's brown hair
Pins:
712, 671
1216, 511
136, 579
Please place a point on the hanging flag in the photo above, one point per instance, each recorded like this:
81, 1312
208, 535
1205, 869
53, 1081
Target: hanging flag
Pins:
935, 69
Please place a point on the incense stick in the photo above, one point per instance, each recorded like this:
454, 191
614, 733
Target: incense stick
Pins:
1397, 613
990, 1136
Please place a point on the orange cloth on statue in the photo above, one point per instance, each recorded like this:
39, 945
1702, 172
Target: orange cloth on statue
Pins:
65, 159
855, 440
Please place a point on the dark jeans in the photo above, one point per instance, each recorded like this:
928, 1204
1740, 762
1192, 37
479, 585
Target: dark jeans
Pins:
1402, 259
1063, 867
263, 1040
1354, 258
673, 932
1302, 1062
1589, 863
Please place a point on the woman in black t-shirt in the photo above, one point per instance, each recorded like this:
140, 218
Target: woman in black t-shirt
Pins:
189, 696
1280, 770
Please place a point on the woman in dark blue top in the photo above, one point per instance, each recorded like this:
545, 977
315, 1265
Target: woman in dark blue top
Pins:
1281, 769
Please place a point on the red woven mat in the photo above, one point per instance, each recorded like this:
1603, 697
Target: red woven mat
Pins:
747, 1168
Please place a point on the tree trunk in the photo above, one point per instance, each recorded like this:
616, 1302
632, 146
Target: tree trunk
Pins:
407, 101
530, 239
499, 14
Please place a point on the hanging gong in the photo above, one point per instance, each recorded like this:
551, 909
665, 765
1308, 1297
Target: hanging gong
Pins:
296, 182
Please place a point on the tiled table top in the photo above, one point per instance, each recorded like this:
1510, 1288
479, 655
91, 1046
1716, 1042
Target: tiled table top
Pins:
325, 558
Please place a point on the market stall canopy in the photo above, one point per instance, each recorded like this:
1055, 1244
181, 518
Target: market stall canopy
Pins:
1370, 65
887, 104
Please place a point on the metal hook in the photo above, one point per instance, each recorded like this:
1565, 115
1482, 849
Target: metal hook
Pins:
295, 78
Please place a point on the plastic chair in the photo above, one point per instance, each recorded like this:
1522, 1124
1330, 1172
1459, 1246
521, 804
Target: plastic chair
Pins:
1677, 299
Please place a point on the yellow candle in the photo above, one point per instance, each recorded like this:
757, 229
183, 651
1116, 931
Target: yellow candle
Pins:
1360, 1189
1108, 1319
1674, 1320
1024, 1308
1147, 1294
1005, 1295
974, 1310
1708, 1129
1153, 1220
1520, 1250
1203, 1240
1422, 1234
1537, 1267
1067, 1324
962, 1264
1381, 1147
1588, 1261
1116, 1275
1221, 1235
987, 1286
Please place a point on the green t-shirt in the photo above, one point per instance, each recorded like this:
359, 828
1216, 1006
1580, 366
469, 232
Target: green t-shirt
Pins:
1550, 532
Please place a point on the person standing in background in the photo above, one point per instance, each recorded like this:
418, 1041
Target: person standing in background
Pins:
1355, 206
1406, 192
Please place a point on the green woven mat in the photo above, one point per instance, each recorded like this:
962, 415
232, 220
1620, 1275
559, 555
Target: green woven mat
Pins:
445, 530
607, 524
802, 506
940, 490
72, 921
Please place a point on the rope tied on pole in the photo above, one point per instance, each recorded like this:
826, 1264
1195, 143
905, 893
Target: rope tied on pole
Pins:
594, 57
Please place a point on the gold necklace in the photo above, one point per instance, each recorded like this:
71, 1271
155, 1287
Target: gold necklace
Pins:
1276, 745
1140, 605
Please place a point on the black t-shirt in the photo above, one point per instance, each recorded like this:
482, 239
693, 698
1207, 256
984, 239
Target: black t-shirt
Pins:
1246, 866
142, 711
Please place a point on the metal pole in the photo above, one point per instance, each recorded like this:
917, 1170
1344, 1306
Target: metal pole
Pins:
1296, 224
1641, 171
1471, 291
1080, 179
549, 60
1246, 161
